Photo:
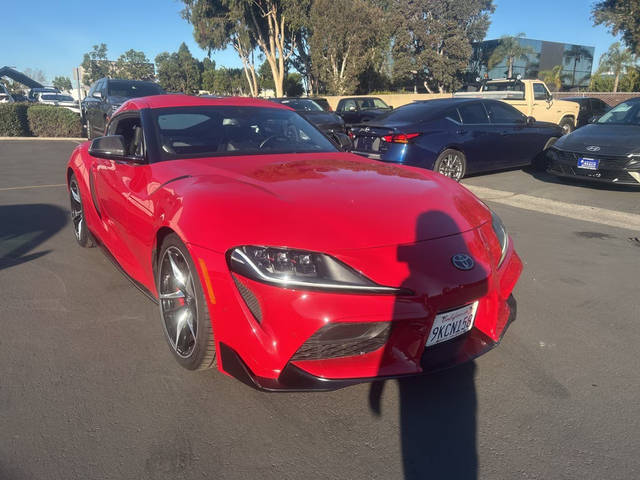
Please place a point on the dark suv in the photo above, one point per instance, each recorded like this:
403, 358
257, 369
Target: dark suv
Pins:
361, 109
105, 97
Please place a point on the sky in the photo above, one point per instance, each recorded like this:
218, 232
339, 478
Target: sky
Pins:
55, 39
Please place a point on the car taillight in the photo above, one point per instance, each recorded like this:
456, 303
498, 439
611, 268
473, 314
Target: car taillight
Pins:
400, 137
351, 134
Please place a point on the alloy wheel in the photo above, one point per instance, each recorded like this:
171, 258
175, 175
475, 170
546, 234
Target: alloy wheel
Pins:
178, 304
77, 213
451, 166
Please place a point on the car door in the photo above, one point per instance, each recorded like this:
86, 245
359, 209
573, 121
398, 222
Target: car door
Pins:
541, 103
517, 140
122, 189
349, 111
478, 139
90, 104
103, 110
598, 107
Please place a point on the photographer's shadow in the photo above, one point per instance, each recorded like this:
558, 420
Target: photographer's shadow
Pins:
437, 410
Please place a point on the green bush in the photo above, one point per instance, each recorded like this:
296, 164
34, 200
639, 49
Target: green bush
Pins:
52, 121
13, 120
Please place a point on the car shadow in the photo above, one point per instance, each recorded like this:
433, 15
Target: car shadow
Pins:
437, 410
546, 177
24, 228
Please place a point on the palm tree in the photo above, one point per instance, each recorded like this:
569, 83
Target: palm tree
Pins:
616, 60
553, 77
577, 53
510, 49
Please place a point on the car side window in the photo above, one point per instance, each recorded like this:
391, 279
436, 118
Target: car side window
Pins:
103, 88
130, 127
540, 92
92, 89
503, 113
349, 105
473, 113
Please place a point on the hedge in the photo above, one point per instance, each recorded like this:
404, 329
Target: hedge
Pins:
52, 121
26, 120
13, 120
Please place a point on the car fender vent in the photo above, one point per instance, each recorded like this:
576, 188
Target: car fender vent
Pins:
249, 299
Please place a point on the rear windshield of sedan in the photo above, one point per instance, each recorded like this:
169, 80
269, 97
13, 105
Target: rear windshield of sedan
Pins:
118, 88
302, 105
186, 132
413, 112
625, 113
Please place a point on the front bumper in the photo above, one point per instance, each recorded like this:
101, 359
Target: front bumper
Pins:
610, 170
258, 336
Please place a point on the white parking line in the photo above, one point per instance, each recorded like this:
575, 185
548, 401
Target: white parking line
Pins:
612, 218
28, 187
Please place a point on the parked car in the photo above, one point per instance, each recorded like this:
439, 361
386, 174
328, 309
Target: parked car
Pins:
59, 99
455, 136
33, 93
531, 97
327, 122
589, 108
361, 109
105, 97
605, 151
18, 97
323, 102
256, 237
5, 96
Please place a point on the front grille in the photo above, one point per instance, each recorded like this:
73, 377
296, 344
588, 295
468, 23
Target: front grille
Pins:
606, 162
313, 349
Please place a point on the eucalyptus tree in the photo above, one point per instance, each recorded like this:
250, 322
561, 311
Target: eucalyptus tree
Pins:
622, 17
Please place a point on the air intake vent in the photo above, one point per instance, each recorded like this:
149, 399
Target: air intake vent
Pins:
250, 299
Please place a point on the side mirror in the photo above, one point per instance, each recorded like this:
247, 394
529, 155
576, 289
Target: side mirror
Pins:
112, 147
97, 95
390, 107
352, 108
549, 97
342, 141
530, 121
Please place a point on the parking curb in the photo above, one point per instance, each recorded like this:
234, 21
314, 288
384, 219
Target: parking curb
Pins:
68, 139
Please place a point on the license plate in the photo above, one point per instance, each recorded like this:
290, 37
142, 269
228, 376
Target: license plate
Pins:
368, 144
452, 324
588, 163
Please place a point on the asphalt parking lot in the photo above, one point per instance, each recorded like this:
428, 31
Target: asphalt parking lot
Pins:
89, 389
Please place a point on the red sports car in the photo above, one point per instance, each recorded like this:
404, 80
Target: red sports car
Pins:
283, 261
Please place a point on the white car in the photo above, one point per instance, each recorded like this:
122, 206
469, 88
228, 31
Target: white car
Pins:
59, 100
5, 97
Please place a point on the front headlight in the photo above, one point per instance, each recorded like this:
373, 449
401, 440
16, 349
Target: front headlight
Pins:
289, 268
501, 234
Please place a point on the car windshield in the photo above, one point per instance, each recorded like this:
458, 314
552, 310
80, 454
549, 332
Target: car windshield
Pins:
625, 113
133, 89
370, 103
302, 105
186, 132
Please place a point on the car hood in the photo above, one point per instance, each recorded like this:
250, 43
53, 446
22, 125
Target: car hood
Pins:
611, 139
322, 202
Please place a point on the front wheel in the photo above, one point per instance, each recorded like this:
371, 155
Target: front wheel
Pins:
451, 163
183, 308
567, 126
83, 236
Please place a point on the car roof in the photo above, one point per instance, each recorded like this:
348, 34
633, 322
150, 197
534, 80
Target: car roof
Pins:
168, 101
359, 98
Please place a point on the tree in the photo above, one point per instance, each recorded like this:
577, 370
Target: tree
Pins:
293, 85
208, 74
298, 15
616, 60
621, 17
227, 81
179, 71
576, 53
134, 65
510, 49
62, 83
343, 32
96, 65
553, 77
36, 74
265, 77
245, 24
432, 39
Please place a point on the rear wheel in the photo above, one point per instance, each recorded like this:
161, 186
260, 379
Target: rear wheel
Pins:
183, 308
451, 163
80, 230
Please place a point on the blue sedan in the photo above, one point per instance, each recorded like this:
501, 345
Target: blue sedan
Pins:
455, 136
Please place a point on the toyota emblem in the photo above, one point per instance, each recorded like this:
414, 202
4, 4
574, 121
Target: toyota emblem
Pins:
593, 148
462, 261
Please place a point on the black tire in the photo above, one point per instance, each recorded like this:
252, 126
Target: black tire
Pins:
78, 222
451, 163
197, 353
541, 161
567, 125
